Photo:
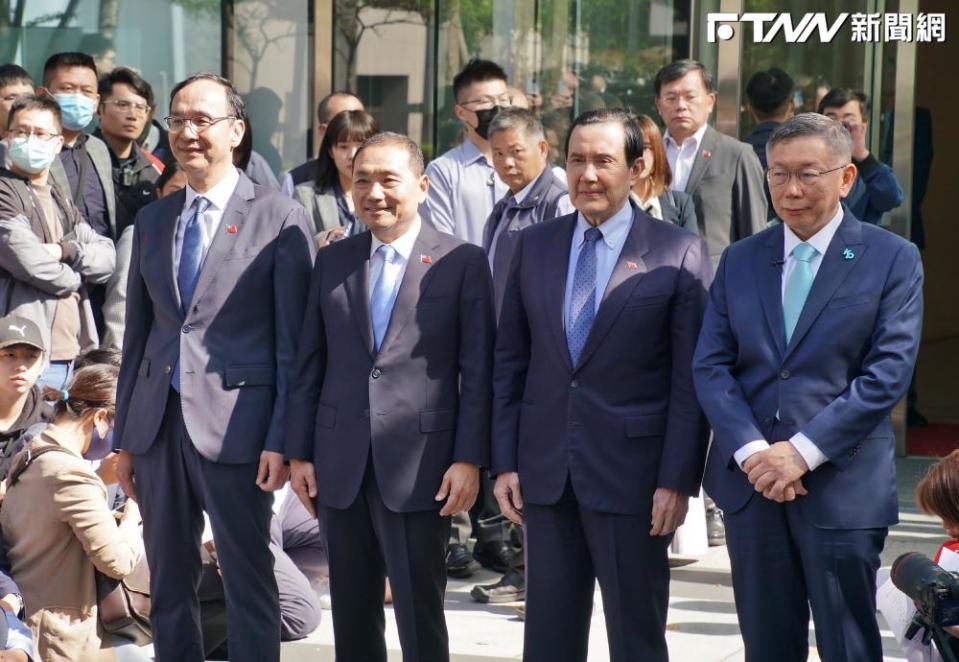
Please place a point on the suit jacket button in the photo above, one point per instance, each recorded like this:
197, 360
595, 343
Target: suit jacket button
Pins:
784, 374
376, 373
167, 370
574, 384
366, 413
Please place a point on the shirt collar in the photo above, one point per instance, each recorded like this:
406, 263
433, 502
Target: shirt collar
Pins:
524, 192
402, 244
472, 154
820, 241
614, 229
219, 195
652, 207
696, 138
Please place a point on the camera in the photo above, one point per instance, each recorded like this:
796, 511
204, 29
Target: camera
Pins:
936, 595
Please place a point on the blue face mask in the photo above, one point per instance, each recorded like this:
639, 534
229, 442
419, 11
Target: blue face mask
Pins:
100, 447
76, 110
32, 154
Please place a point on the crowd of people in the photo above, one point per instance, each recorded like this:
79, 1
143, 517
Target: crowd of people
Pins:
238, 384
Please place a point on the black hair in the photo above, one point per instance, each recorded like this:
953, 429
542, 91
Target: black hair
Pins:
97, 357
36, 102
14, 73
631, 129
840, 96
127, 77
678, 69
170, 168
233, 98
323, 107
350, 125
476, 71
769, 92
64, 60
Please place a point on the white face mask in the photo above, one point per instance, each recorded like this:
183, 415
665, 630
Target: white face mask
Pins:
32, 154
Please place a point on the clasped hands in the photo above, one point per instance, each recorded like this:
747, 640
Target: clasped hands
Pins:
777, 472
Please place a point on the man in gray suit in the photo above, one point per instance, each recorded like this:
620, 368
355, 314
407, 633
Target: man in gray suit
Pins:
389, 413
218, 278
722, 174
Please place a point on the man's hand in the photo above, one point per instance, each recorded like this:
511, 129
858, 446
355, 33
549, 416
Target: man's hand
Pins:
857, 130
124, 472
303, 482
509, 497
669, 511
107, 471
273, 472
461, 485
774, 472
327, 237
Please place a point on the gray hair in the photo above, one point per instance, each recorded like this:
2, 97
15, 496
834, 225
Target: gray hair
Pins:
813, 125
413, 152
517, 118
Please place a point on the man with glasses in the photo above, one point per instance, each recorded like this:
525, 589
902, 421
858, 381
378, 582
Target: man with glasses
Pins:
49, 256
217, 283
809, 340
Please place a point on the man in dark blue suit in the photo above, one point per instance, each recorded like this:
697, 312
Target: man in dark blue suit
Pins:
390, 407
809, 340
598, 438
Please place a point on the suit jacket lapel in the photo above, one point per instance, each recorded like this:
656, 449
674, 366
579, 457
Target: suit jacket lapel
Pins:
769, 279
358, 291
554, 282
234, 215
707, 146
833, 270
169, 218
415, 280
629, 270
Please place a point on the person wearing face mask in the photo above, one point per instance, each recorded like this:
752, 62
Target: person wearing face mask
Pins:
328, 197
58, 528
15, 83
464, 185
49, 256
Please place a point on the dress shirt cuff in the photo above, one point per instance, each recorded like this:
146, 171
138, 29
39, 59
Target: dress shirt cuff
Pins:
810, 452
749, 449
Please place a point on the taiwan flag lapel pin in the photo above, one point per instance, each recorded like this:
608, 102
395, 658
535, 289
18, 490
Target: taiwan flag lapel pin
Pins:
426, 259
632, 266
707, 153
231, 229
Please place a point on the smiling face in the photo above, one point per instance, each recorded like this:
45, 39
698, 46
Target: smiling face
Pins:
386, 191
599, 177
206, 153
806, 209
517, 157
20, 368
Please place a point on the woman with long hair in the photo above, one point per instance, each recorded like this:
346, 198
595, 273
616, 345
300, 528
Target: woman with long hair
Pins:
652, 191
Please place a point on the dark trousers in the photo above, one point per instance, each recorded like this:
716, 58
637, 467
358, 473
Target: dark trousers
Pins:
569, 548
175, 484
782, 564
366, 542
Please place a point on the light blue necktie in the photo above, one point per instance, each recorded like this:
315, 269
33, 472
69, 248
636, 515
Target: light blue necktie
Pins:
797, 286
382, 295
191, 259
582, 303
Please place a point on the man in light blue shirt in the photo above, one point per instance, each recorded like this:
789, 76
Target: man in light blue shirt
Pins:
464, 185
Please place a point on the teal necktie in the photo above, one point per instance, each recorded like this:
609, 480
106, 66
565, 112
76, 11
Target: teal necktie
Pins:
797, 286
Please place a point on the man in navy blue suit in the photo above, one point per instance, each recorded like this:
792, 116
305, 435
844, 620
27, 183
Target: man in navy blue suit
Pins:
598, 440
809, 340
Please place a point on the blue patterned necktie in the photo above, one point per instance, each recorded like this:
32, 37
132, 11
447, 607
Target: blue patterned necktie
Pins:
381, 295
191, 259
191, 252
582, 303
797, 286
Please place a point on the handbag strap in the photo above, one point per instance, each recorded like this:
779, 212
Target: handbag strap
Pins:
26, 457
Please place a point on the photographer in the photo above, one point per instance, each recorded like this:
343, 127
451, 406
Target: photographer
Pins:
938, 494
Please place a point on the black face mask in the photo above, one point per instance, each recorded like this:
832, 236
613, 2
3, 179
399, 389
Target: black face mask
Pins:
483, 119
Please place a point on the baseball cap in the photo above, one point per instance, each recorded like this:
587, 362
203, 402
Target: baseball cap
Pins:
16, 330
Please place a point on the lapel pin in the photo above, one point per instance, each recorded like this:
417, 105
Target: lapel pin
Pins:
426, 259
848, 254
707, 153
631, 265
231, 229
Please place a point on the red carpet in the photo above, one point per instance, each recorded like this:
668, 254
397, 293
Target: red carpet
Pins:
935, 440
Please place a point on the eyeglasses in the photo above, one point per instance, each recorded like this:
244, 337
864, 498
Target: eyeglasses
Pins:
808, 177
200, 123
13, 98
488, 101
125, 106
674, 99
23, 134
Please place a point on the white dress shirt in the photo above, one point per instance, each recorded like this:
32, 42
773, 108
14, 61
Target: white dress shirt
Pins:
614, 230
219, 196
403, 245
820, 241
682, 157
